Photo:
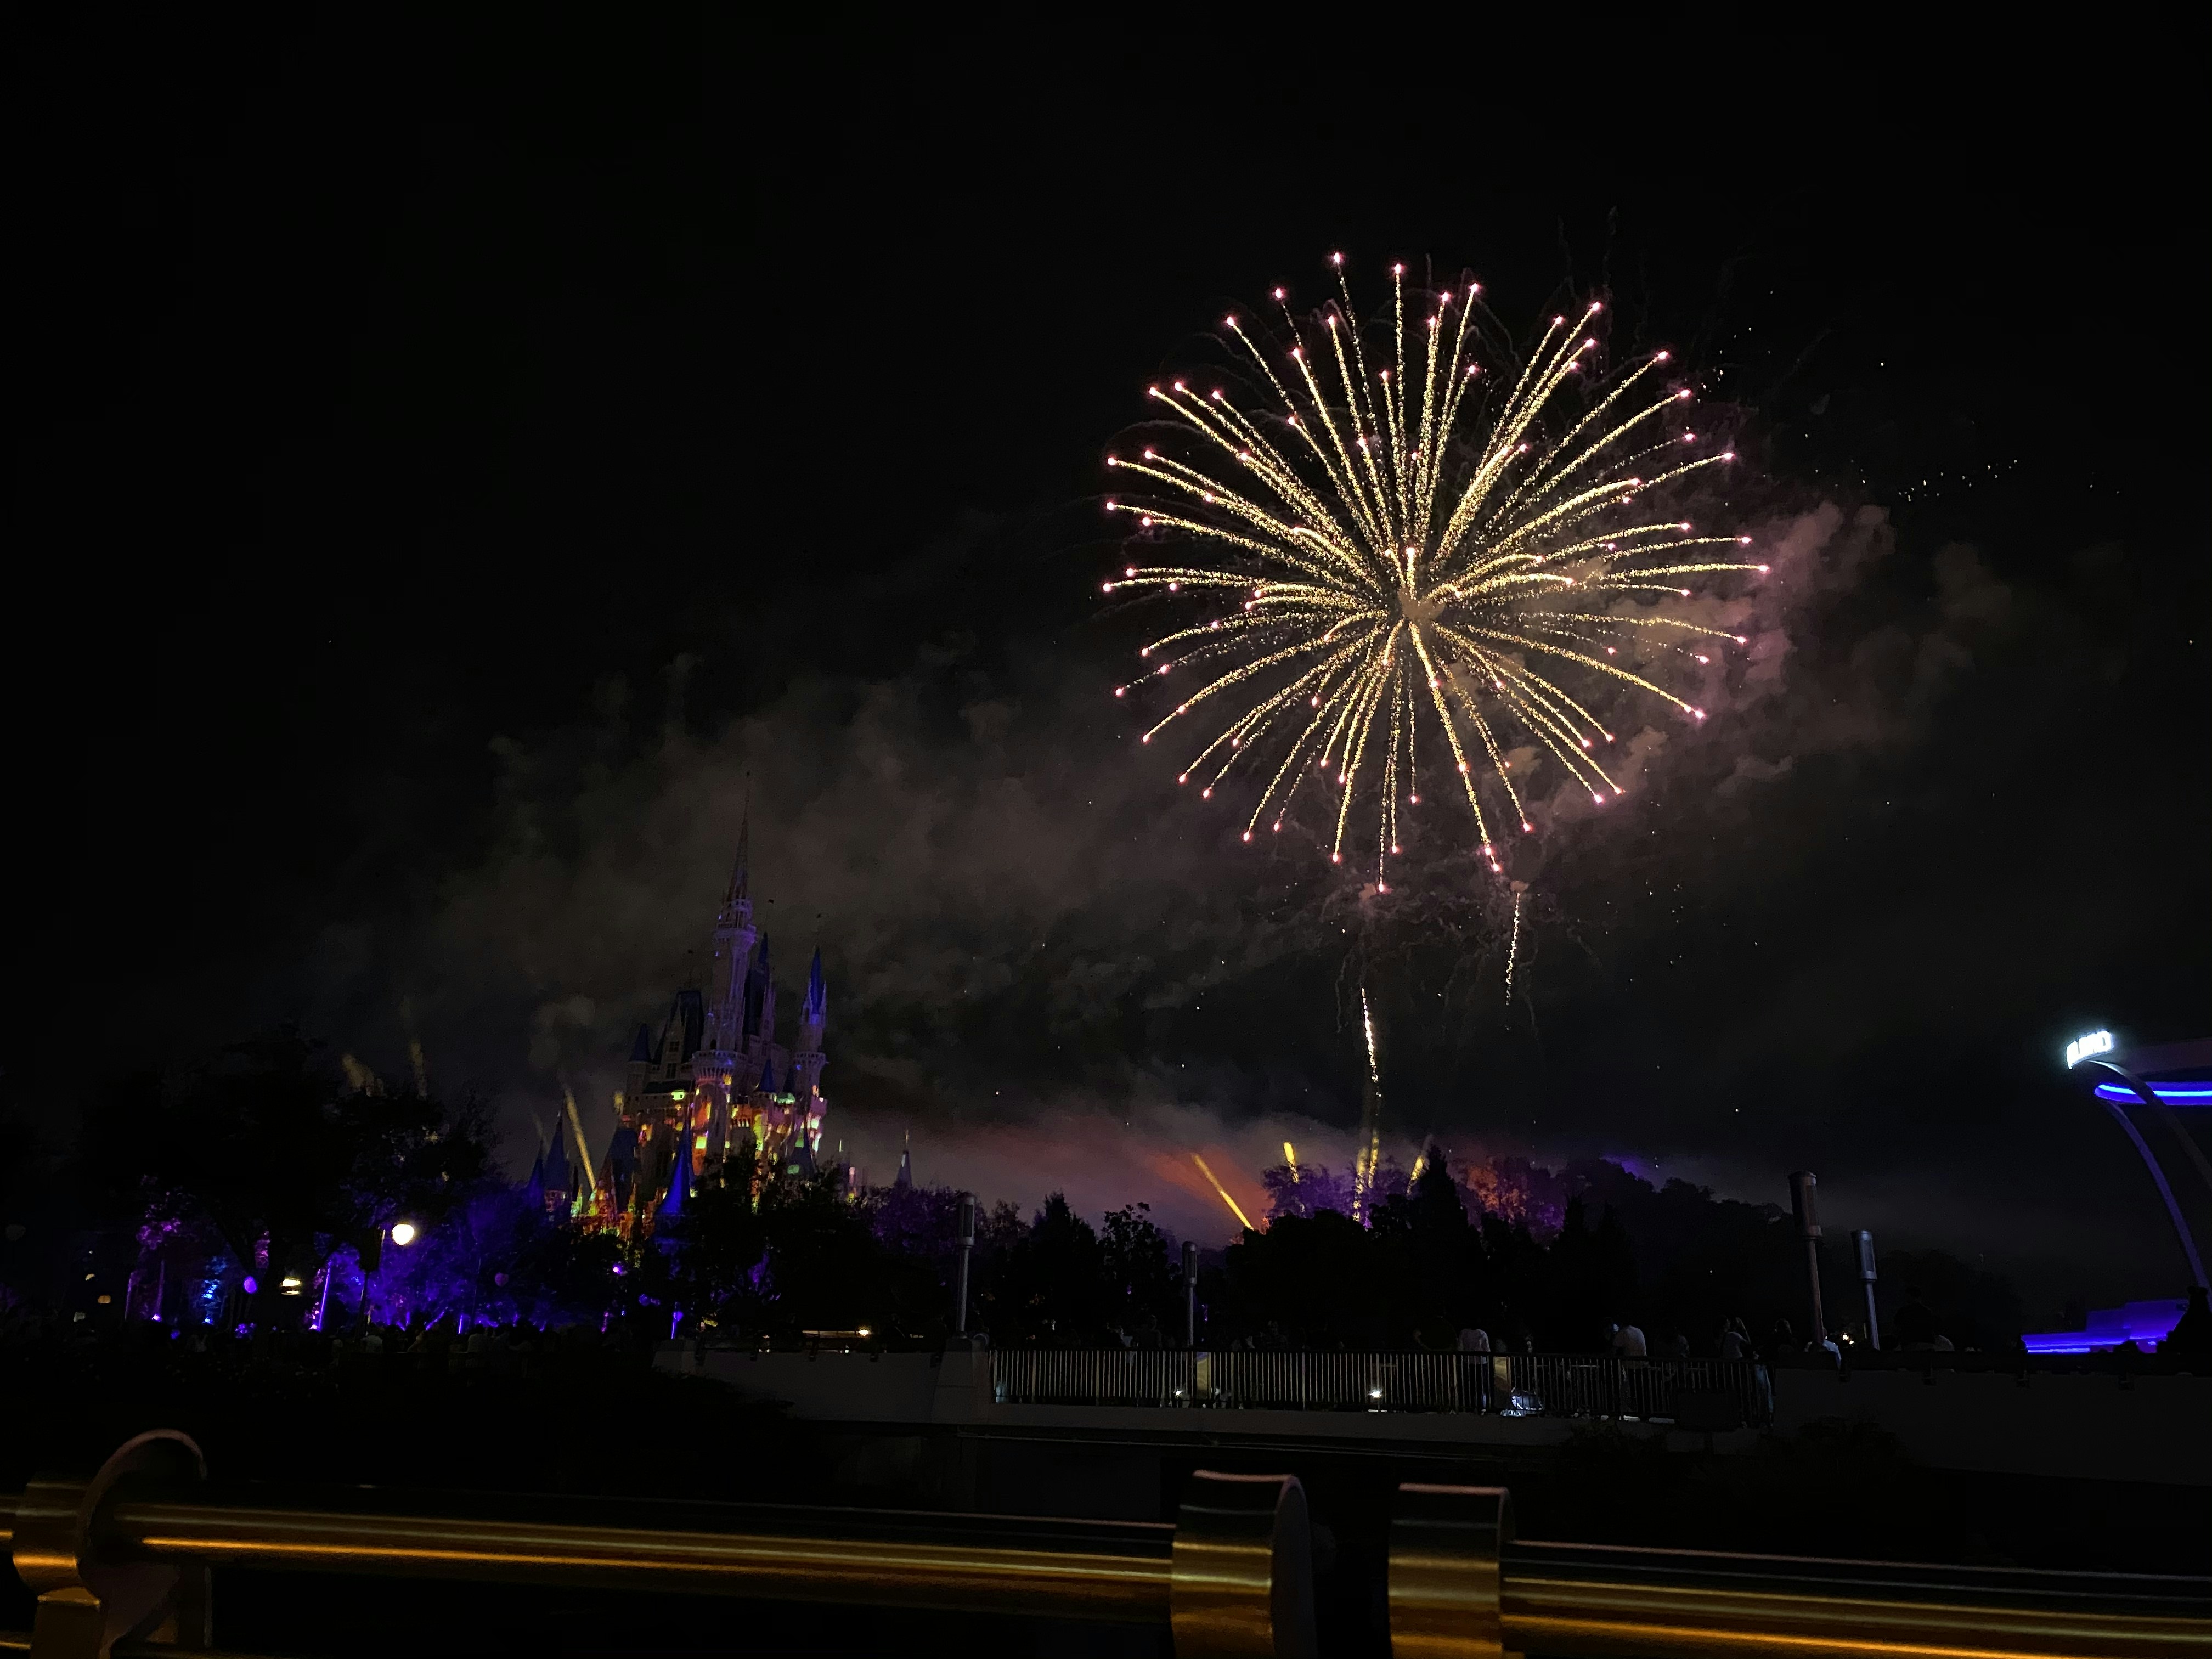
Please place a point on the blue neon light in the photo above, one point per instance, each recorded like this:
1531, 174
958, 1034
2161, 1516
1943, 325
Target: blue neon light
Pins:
2173, 1094
2146, 1324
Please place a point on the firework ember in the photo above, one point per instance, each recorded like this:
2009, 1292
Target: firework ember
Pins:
1414, 538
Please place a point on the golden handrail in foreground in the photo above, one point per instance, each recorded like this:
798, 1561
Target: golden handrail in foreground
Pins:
1459, 1584
1103, 1571
1461, 1588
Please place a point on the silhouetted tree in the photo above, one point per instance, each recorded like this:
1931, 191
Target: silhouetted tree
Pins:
1144, 1289
271, 1152
1050, 1284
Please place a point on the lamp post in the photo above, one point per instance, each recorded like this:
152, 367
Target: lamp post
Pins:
1190, 1295
1802, 1185
1863, 1246
401, 1233
2095, 1051
967, 1244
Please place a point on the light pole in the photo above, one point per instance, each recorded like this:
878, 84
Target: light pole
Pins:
1190, 1295
402, 1233
1863, 1243
967, 1244
2095, 1051
1802, 1185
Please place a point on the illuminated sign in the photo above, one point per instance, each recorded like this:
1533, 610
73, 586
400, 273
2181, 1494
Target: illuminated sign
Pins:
2097, 1042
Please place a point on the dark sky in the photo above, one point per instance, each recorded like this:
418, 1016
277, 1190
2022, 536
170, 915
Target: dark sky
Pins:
455, 469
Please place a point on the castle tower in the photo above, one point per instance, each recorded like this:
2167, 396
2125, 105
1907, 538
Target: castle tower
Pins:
640, 1069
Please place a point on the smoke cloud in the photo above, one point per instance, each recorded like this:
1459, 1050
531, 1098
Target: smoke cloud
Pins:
1057, 971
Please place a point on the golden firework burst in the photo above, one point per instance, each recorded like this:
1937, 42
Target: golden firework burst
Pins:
1421, 537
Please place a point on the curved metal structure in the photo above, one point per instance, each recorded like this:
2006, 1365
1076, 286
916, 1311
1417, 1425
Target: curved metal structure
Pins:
2124, 1068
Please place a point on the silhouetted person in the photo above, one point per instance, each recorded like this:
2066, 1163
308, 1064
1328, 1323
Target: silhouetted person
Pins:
1735, 1340
1628, 1342
1781, 1340
1915, 1322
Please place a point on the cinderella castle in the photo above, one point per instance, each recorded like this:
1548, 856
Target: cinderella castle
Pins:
712, 1097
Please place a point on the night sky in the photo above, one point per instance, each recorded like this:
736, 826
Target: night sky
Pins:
455, 471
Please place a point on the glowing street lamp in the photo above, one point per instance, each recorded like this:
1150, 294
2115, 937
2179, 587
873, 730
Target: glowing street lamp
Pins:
2095, 1050
403, 1233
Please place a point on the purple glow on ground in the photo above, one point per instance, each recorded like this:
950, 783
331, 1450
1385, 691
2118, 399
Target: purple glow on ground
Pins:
2146, 1323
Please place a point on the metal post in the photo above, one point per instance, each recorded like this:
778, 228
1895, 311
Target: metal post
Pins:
1190, 1295
967, 1244
370, 1248
1802, 1185
1862, 1241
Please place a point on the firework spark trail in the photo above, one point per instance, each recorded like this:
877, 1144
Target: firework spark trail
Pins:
1235, 1209
1370, 1126
1405, 564
1513, 944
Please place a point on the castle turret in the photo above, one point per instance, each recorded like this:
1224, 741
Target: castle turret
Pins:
680, 1037
558, 1185
679, 1187
639, 1069
621, 1165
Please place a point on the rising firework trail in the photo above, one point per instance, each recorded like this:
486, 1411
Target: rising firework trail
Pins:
1416, 544
1513, 944
1370, 1121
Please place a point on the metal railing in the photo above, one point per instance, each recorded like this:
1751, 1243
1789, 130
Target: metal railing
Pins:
1095, 1376
1702, 1393
1232, 1575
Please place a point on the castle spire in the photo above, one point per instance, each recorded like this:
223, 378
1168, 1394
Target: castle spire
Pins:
679, 1178
557, 1177
726, 1009
740, 871
815, 1011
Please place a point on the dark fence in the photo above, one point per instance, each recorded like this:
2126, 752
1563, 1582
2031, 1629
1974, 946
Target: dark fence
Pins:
1699, 1394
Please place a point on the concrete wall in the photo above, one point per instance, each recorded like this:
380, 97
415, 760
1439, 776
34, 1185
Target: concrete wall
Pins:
2092, 1428
2153, 1428
834, 1388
